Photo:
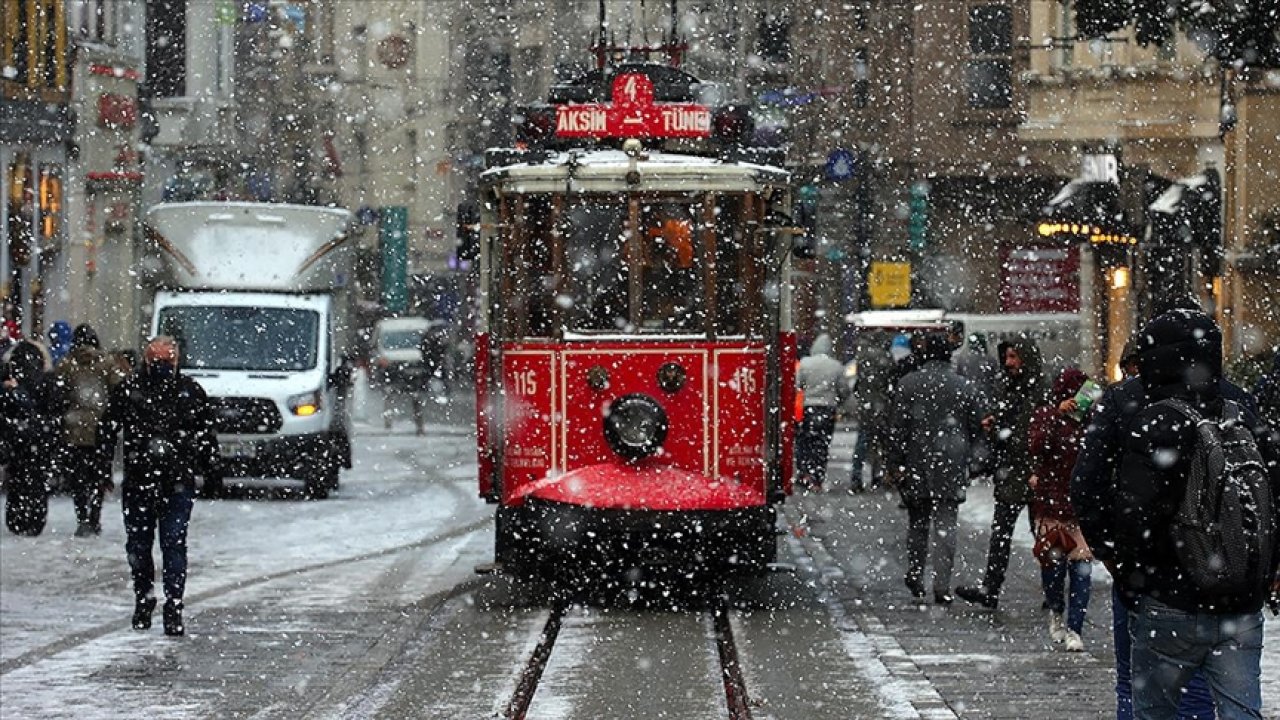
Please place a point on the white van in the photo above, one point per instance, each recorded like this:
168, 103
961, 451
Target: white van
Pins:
257, 299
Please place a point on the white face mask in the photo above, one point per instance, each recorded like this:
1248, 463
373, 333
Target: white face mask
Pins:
898, 352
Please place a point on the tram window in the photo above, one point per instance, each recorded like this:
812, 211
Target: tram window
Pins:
735, 299
529, 291
672, 258
595, 240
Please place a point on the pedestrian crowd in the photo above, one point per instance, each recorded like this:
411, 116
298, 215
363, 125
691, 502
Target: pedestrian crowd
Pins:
1169, 477
64, 404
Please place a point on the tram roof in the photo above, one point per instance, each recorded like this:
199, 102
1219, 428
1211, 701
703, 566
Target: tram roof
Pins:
606, 170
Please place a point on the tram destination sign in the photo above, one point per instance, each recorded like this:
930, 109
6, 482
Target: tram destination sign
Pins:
633, 114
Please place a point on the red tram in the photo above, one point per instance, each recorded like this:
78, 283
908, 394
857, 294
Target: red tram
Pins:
634, 346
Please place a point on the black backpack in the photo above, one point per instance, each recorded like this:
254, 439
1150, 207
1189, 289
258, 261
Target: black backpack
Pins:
1224, 531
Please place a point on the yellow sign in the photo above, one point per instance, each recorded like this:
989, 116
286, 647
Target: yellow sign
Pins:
889, 284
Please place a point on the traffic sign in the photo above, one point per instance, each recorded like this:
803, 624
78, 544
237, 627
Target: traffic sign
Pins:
841, 165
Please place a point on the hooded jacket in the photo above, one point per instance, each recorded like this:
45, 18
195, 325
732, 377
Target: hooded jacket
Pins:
1016, 398
29, 427
820, 376
936, 418
1180, 357
84, 380
1054, 444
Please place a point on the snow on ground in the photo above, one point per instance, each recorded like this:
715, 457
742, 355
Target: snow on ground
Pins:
67, 600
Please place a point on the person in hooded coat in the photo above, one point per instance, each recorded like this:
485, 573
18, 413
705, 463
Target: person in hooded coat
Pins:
83, 380
936, 418
1020, 389
1054, 443
877, 375
169, 439
29, 433
1178, 628
821, 378
1092, 495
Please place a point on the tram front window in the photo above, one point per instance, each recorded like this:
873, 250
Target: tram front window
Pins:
595, 245
672, 296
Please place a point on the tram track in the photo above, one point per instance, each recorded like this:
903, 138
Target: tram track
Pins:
88, 635
737, 699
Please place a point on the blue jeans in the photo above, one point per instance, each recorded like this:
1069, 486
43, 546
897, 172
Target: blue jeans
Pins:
1170, 645
145, 509
1197, 701
1054, 578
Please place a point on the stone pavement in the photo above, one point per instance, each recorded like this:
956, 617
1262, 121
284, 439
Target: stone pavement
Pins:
957, 661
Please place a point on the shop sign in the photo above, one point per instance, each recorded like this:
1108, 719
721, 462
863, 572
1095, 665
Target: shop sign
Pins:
889, 284
117, 111
1040, 280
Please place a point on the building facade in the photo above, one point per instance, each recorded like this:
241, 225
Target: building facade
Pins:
907, 134
1155, 115
35, 147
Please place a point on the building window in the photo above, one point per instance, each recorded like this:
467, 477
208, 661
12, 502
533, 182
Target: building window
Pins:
166, 48
989, 73
33, 36
92, 21
858, 89
773, 42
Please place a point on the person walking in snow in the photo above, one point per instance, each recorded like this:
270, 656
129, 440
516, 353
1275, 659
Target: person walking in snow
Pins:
1054, 443
821, 378
1189, 610
1020, 390
936, 418
29, 437
83, 381
169, 439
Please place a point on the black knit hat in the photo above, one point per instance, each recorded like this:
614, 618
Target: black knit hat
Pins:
85, 335
1180, 347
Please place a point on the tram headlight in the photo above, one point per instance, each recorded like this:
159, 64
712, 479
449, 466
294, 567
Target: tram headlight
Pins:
635, 426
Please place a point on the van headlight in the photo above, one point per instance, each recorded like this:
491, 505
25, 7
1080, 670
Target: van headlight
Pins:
306, 404
635, 426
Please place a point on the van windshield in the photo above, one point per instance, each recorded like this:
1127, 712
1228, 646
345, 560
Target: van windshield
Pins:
243, 338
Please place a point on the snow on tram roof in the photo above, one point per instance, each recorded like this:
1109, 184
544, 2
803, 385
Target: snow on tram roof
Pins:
605, 170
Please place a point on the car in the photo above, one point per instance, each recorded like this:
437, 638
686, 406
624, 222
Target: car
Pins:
396, 361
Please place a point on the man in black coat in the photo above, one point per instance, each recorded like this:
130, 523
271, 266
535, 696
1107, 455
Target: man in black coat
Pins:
935, 420
1092, 496
168, 440
1176, 628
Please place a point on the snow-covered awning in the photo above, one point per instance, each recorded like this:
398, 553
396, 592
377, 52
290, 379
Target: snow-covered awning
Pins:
1085, 201
1170, 202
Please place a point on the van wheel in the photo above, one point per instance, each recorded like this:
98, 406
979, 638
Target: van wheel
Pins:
317, 488
322, 480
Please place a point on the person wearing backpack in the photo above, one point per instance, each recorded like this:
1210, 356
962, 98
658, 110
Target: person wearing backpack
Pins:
1193, 459
83, 380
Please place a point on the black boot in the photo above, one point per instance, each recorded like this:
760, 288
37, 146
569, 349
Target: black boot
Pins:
173, 618
978, 596
142, 610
